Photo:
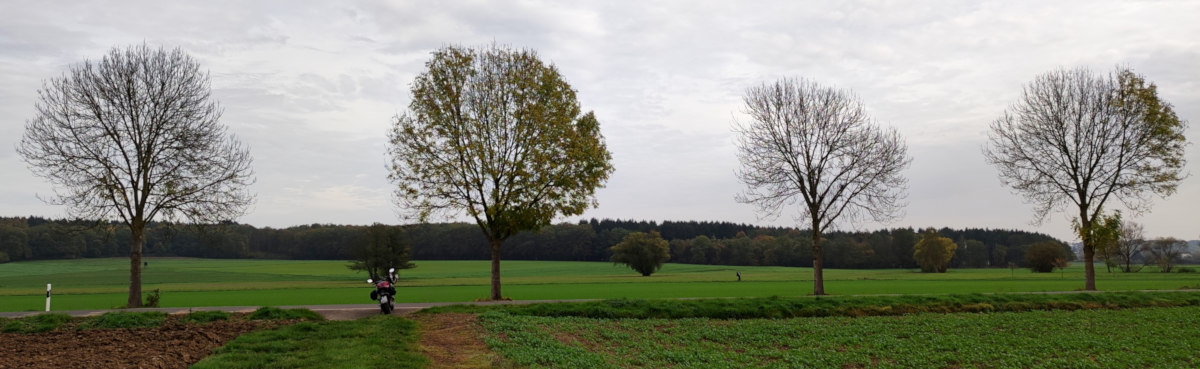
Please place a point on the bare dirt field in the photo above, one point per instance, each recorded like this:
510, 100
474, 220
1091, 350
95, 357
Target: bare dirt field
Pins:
172, 345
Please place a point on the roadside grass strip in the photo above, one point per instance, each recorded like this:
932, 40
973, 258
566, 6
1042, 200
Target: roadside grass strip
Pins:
1104, 338
375, 342
849, 306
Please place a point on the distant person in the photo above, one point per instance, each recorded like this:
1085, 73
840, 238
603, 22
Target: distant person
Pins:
739, 274
145, 264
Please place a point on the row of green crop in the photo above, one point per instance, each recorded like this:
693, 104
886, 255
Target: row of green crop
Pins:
1103, 338
791, 307
383, 342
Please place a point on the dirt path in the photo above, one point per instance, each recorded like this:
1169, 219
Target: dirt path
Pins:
454, 341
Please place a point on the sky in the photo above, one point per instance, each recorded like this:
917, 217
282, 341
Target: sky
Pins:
312, 87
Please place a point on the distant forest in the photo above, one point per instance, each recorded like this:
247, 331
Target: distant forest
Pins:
719, 243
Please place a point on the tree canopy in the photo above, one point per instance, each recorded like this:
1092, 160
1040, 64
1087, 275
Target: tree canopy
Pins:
1078, 139
135, 136
495, 134
816, 145
933, 252
380, 248
643, 252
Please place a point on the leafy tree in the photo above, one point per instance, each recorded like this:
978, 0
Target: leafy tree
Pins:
1078, 139
1043, 257
497, 134
1105, 232
381, 247
933, 252
1164, 252
643, 252
136, 136
817, 144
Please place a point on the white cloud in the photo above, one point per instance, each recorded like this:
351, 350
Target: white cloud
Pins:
312, 87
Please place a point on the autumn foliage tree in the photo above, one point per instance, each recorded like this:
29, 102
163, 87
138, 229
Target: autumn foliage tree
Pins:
497, 135
136, 136
643, 252
933, 252
1077, 139
817, 146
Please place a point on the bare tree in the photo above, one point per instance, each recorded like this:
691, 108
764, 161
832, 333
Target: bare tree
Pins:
1076, 138
136, 136
1128, 248
816, 145
1164, 252
498, 135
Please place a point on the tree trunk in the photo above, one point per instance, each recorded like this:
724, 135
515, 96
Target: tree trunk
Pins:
137, 231
496, 269
818, 269
1089, 251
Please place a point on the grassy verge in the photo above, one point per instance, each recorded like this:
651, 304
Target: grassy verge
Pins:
34, 324
131, 320
779, 307
274, 313
136, 320
376, 342
1127, 338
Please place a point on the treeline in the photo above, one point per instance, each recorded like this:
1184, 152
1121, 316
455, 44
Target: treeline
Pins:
691, 242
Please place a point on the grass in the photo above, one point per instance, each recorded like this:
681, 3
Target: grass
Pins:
101, 283
34, 324
375, 342
776, 307
274, 313
1126, 338
201, 317
123, 319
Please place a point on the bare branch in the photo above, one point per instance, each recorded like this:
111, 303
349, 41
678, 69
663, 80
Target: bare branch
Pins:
817, 145
134, 136
1077, 138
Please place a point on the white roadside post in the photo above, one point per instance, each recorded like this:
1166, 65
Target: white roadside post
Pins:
47, 297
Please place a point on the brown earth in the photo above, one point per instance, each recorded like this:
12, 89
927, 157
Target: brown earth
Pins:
172, 345
448, 340
454, 341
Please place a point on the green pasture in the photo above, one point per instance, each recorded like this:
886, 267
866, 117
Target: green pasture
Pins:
102, 283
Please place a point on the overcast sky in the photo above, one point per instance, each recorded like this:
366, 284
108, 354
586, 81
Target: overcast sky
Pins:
312, 87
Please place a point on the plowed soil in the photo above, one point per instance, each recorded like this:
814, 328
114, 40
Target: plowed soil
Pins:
172, 345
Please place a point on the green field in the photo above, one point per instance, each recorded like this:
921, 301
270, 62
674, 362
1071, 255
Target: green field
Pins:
1130, 338
101, 283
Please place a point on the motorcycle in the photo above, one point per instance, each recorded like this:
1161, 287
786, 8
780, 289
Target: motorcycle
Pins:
385, 292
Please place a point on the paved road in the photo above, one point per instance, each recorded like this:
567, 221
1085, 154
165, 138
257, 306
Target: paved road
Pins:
331, 312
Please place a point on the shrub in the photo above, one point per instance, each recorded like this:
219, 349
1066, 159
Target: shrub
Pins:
643, 252
1187, 270
152, 299
1044, 256
274, 313
205, 316
116, 320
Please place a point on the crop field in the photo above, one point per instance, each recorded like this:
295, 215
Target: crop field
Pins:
1129, 338
102, 283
